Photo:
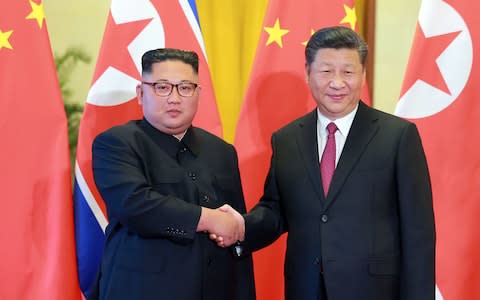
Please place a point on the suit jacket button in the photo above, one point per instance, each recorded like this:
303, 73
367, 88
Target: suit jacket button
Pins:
324, 218
316, 261
205, 198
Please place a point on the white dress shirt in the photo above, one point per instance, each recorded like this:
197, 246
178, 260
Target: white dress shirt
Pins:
343, 125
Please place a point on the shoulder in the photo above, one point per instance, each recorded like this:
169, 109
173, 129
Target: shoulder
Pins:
211, 145
385, 119
387, 126
204, 136
120, 132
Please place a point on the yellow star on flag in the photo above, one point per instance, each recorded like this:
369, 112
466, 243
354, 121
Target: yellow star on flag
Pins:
37, 13
275, 33
311, 33
4, 43
350, 16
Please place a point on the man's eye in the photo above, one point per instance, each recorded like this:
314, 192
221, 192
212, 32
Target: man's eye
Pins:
186, 87
162, 87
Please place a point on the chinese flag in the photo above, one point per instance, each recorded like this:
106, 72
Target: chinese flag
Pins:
133, 27
277, 94
441, 95
37, 252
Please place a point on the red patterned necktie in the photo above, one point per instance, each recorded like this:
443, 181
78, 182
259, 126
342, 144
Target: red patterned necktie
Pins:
327, 164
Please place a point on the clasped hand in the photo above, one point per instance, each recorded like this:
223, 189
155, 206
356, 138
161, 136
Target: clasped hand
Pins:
224, 225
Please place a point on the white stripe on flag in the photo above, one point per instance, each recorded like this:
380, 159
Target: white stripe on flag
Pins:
187, 10
92, 203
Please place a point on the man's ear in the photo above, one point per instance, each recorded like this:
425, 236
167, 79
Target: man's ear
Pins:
139, 94
307, 72
364, 76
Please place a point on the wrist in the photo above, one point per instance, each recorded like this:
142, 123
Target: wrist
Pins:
205, 217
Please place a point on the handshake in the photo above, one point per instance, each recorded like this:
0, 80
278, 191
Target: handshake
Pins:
225, 225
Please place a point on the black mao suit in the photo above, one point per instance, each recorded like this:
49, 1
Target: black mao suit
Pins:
373, 236
153, 186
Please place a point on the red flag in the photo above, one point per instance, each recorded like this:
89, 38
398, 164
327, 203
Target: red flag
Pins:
132, 28
441, 95
276, 95
37, 253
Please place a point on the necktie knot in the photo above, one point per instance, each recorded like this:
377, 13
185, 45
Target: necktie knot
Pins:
331, 128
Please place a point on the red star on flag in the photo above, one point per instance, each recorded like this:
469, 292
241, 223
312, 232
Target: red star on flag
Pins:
119, 36
425, 52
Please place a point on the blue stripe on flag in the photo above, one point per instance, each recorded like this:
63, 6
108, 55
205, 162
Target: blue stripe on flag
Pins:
89, 240
194, 9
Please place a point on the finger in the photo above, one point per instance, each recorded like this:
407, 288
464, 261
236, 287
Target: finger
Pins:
229, 243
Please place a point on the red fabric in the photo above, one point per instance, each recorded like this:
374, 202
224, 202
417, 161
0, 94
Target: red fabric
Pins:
277, 94
441, 95
37, 252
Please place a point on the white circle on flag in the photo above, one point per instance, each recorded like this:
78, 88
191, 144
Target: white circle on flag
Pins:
438, 295
115, 87
455, 63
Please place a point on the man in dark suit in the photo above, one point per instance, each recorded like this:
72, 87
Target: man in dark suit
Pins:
162, 180
367, 231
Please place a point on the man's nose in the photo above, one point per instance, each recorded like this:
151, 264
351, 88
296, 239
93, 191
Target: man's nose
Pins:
174, 96
337, 81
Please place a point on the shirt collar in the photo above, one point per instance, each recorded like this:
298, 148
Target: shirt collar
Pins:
343, 123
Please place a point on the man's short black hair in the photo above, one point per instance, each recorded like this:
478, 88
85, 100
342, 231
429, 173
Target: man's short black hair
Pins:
336, 37
163, 54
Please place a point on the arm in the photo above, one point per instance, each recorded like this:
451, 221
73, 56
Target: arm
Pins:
265, 222
416, 218
233, 199
121, 177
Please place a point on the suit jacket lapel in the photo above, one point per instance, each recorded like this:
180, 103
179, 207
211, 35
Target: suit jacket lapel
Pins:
307, 143
363, 129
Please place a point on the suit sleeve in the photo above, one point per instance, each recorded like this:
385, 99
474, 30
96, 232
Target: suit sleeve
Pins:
417, 219
131, 200
265, 222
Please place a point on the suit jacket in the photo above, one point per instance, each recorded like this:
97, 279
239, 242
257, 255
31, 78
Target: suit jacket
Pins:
153, 186
373, 236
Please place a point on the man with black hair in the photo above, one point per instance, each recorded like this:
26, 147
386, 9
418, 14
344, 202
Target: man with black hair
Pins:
162, 180
350, 186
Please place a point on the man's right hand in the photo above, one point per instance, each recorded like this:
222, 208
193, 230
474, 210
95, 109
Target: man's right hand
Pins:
225, 225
